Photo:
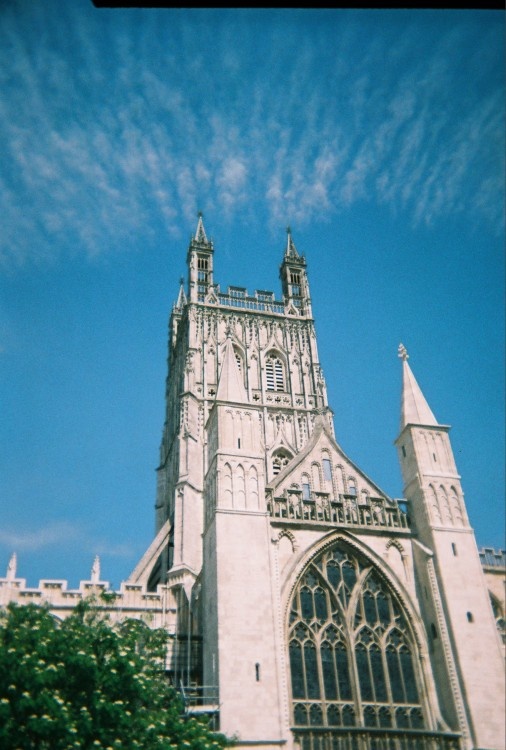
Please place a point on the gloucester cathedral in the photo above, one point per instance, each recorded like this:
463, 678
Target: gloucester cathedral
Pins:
305, 607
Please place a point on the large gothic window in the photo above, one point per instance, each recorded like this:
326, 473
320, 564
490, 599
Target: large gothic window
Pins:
352, 655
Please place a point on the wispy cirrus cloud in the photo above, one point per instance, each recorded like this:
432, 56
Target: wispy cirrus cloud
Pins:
64, 535
107, 127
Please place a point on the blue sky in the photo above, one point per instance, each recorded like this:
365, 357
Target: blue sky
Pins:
377, 135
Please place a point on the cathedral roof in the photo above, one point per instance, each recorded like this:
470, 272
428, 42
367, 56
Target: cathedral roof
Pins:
414, 407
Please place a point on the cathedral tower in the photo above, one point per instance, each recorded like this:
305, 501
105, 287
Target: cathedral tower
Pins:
321, 613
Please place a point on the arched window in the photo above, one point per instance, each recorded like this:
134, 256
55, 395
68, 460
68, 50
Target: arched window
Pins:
279, 460
353, 659
306, 487
274, 373
240, 363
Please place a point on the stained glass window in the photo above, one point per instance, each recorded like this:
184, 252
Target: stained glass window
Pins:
352, 653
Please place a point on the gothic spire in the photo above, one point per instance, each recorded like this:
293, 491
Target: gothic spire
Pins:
230, 385
414, 407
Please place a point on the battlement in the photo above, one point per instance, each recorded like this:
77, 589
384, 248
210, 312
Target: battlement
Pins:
132, 600
492, 559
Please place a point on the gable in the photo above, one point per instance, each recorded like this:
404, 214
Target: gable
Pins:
325, 467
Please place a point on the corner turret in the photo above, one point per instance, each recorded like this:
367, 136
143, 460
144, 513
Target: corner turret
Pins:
200, 263
294, 278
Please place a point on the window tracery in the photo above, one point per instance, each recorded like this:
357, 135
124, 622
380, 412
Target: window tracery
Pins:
280, 459
352, 654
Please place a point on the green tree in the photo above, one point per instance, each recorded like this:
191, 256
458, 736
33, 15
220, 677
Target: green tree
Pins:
90, 684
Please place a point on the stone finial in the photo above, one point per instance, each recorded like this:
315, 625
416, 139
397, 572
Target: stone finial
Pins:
11, 568
95, 570
403, 352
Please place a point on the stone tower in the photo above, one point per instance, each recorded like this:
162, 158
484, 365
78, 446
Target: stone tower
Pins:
321, 612
466, 654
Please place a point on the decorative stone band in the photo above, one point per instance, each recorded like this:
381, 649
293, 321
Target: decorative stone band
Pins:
347, 510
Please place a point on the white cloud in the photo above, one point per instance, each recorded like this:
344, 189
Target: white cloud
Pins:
103, 130
64, 535
60, 532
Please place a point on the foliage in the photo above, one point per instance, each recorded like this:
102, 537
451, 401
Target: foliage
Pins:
89, 684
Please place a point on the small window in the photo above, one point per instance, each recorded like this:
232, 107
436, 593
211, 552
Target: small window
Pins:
327, 470
274, 373
279, 461
454, 549
433, 630
257, 672
352, 487
403, 451
306, 491
294, 277
469, 616
434, 457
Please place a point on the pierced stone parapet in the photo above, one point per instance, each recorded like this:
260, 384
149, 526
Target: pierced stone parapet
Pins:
346, 510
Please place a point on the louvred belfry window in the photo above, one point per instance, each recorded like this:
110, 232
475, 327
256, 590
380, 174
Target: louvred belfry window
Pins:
353, 659
274, 373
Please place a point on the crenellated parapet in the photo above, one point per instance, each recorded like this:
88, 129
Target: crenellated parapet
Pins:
156, 608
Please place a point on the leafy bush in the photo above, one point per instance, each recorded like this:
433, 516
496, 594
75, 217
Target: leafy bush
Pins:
90, 684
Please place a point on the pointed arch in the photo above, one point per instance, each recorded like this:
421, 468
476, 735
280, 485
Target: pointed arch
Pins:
352, 486
456, 506
316, 476
353, 655
253, 499
227, 485
434, 504
280, 459
445, 504
275, 371
240, 487
286, 534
